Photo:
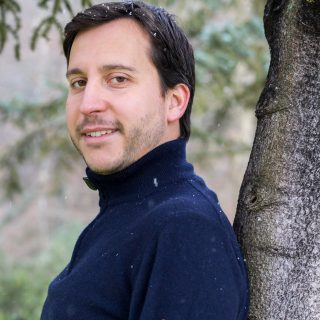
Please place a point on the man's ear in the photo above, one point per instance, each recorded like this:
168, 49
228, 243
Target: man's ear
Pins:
178, 101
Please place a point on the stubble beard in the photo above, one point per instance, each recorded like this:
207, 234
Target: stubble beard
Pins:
137, 142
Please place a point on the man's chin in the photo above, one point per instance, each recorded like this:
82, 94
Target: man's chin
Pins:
105, 169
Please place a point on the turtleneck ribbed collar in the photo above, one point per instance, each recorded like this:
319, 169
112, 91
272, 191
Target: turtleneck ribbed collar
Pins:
161, 166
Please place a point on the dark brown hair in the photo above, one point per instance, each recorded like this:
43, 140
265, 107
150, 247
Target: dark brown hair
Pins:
171, 51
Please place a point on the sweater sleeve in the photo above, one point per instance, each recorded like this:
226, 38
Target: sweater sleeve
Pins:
192, 271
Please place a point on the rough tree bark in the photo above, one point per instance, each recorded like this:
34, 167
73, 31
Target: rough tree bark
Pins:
278, 214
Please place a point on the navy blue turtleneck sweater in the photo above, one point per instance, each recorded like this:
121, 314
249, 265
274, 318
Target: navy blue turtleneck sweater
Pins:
160, 249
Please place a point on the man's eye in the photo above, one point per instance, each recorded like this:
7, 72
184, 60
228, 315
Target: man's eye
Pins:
118, 80
78, 84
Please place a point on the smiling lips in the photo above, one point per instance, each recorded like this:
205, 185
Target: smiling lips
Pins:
99, 133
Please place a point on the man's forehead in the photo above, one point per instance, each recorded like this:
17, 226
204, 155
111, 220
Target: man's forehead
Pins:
128, 27
121, 43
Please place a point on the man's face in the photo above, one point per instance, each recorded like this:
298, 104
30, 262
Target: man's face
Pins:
116, 112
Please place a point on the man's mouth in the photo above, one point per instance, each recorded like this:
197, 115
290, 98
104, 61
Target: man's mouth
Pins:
99, 133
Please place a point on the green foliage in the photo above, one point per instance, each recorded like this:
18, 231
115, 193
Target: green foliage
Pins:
24, 285
51, 21
231, 64
220, 52
10, 24
44, 133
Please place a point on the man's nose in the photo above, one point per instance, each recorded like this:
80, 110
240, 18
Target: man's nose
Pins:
94, 98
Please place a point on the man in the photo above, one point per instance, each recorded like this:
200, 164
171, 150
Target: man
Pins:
160, 247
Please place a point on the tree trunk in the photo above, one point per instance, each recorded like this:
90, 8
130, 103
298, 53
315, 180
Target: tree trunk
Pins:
278, 214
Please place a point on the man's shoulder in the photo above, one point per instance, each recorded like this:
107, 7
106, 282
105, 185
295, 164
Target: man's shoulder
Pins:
184, 208
177, 225
188, 211
188, 196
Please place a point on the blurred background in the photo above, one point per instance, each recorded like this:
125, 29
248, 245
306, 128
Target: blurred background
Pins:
44, 203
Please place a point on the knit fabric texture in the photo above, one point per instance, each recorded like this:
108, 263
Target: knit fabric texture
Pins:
160, 248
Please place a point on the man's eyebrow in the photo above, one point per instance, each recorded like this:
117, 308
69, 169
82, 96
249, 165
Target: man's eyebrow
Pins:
104, 68
109, 67
75, 71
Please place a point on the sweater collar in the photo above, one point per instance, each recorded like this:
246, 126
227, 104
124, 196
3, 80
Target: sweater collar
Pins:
162, 166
